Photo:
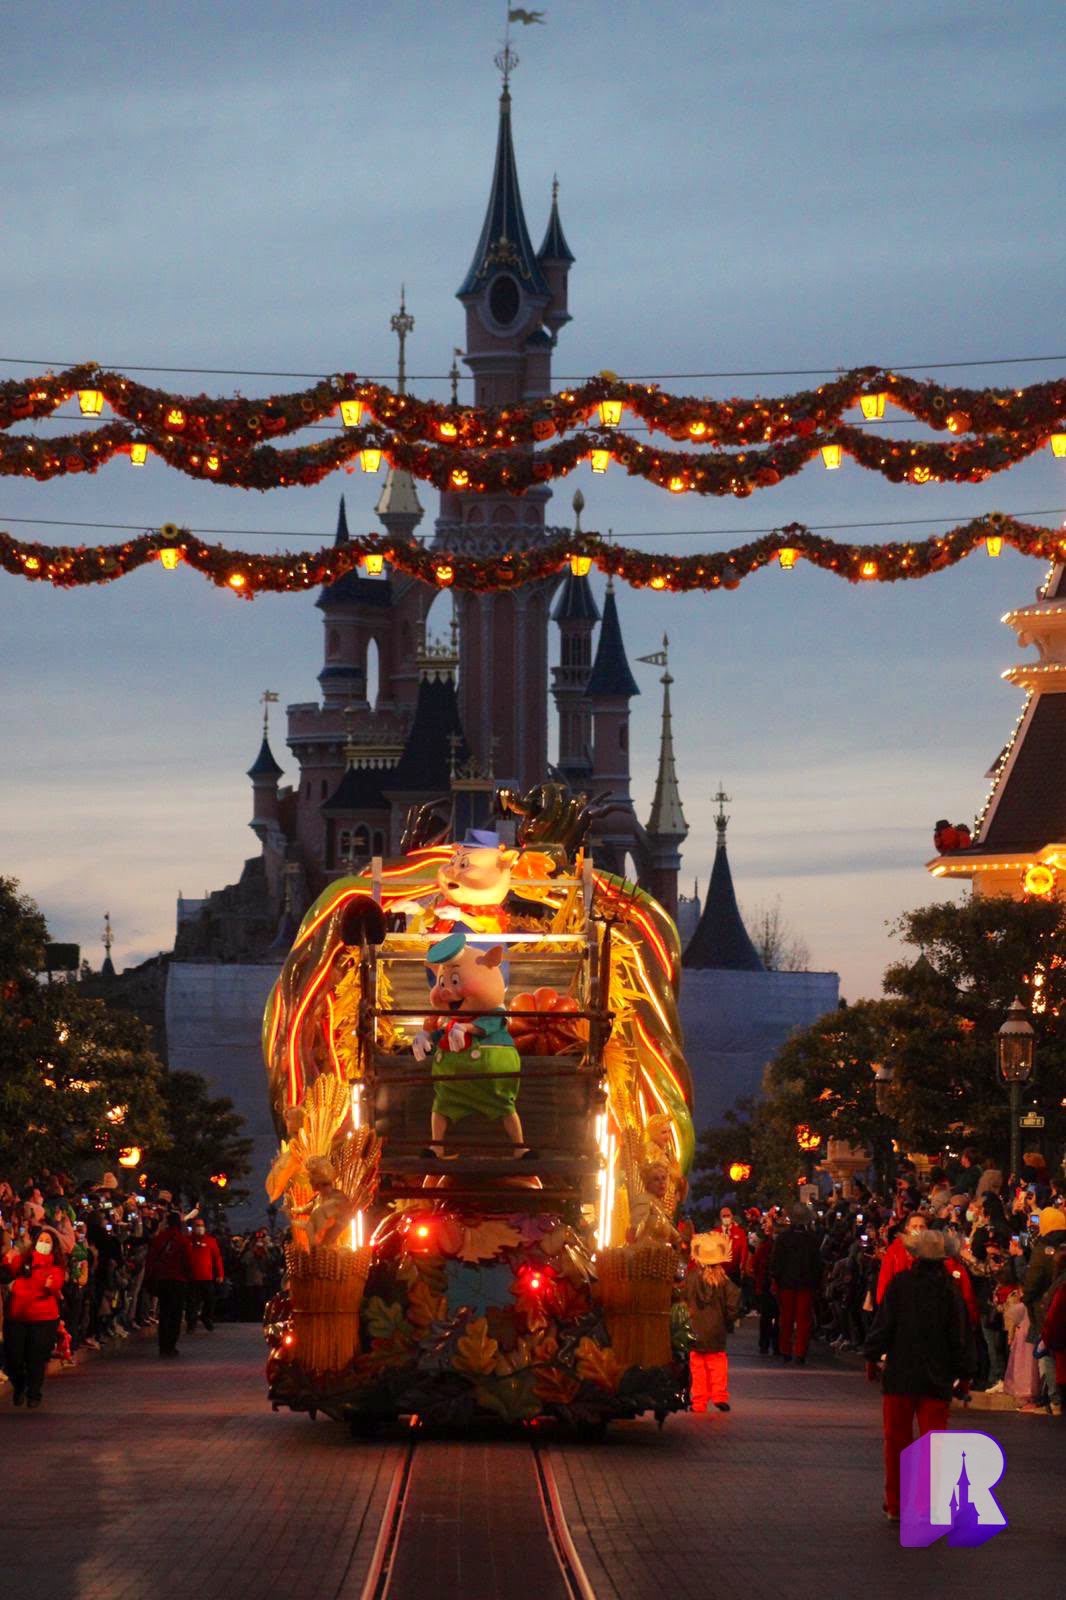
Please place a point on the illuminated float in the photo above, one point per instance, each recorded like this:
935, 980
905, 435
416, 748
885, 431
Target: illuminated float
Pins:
483, 1199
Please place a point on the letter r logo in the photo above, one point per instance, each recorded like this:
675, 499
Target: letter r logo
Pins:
946, 1483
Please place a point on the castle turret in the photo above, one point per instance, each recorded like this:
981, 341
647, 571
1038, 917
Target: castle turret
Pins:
503, 678
667, 829
610, 688
264, 773
721, 939
576, 615
555, 258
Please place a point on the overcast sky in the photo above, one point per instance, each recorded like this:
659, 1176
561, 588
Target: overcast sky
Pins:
746, 187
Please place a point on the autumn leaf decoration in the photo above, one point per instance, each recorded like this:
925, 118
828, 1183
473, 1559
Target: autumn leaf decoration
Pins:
599, 1365
476, 1351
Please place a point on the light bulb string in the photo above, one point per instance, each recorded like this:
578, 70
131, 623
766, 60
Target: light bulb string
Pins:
246, 573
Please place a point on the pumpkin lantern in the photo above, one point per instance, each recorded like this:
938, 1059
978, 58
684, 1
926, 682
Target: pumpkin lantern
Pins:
547, 1025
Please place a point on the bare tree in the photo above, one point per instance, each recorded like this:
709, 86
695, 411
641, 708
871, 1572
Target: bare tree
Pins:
782, 949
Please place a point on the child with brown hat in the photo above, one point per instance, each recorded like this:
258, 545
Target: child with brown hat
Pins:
713, 1306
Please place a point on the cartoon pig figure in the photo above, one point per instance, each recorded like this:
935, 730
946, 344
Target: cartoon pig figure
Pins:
475, 880
468, 1051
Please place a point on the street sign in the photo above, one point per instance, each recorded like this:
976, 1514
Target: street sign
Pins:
1032, 1119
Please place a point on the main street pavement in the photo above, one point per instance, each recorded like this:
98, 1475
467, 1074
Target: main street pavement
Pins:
148, 1480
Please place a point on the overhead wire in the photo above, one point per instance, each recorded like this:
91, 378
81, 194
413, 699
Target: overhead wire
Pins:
632, 377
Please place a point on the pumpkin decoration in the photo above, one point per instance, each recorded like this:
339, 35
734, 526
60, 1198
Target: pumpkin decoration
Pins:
547, 1025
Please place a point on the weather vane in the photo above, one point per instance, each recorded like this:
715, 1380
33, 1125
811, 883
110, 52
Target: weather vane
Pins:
507, 59
267, 699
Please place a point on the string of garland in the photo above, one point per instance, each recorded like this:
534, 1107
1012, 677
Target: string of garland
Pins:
238, 423
247, 574
453, 467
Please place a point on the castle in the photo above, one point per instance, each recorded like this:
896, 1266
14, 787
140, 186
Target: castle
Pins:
450, 720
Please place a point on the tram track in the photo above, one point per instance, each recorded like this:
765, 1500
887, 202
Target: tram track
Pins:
487, 1513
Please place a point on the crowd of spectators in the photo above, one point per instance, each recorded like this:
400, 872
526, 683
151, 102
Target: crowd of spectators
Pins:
104, 1242
821, 1269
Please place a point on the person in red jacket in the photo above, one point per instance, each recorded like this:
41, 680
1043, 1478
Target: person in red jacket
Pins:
205, 1271
31, 1319
167, 1271
897, 1258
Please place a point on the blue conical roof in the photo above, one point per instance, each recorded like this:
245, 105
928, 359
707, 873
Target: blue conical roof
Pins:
721, 939
610, 676
504, 240
555, 247
576, 602
264, 765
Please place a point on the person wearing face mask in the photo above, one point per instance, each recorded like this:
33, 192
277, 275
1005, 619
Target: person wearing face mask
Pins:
205, 1271
32, 1315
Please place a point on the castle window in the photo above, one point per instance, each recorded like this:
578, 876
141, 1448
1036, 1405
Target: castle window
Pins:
623, 737
333, 643
325, 787
344, 847
504, 300
379, 843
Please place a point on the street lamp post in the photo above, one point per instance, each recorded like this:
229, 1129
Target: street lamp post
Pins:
1014, 1054
884, 1077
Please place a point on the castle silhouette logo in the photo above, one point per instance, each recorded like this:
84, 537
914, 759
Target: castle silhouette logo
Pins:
946, 1483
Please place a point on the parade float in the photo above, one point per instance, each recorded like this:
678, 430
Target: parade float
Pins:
477, 1078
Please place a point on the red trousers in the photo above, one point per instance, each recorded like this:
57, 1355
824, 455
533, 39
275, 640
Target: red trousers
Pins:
710, 1378
898, 1414
794, 1314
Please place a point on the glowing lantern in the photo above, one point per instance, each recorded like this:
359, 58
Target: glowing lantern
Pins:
91, 402
32, 564
374, 562
658, 582
873, 406
351, 413
869, 569
739, 1171
170, 556
610, 413
788, 557
1039, 879
237, 580
460, 478
212, 463
959, 422
697, 429
138, 455
131, 1156
175, 417
601, 460
1058, 444
370, 460
448, 430
806, 1137
581, 566
444, 575
921, 474
677, 486
219, 1179
832, 455
994, 544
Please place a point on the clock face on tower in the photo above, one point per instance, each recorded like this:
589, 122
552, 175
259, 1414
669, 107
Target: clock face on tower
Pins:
505, 300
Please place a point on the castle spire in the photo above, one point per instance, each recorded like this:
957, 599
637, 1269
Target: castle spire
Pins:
667, 820
504, 240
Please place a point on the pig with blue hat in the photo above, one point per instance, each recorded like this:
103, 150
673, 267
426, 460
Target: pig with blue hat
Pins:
468, 1040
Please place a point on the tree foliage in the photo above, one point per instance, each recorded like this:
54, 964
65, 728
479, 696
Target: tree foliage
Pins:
205, 1140
935, 1031
79, 1081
